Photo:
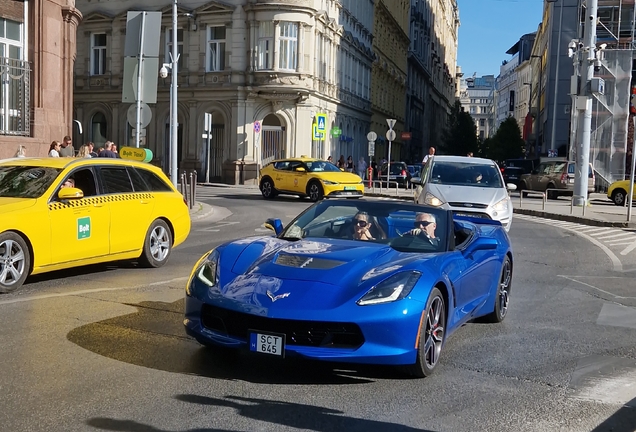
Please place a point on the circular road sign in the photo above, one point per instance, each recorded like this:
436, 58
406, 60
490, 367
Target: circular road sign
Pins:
390, 135
145, 117
257, 126
372, 136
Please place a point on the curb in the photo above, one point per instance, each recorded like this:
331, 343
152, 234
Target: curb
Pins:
572, 218
201, 210
396, 197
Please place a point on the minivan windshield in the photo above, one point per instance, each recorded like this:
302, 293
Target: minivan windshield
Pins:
465, 174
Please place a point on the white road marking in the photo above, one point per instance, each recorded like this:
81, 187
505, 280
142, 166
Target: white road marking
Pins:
571, 278
620, 243
88, 291
622, 234
628, 249
599, 232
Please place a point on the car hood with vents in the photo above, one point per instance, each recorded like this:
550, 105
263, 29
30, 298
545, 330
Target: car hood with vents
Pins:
323, 273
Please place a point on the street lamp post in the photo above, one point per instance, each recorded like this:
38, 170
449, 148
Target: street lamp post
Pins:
556, 77
530, 101
174, 118
536, 151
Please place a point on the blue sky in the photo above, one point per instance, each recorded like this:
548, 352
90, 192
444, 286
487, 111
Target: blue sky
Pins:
489, 28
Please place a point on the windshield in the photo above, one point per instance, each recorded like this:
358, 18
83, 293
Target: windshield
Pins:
25, 181
321, 166
404, 227
396, 168
465, 174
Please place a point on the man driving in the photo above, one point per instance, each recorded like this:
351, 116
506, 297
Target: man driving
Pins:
425, 228
69, 183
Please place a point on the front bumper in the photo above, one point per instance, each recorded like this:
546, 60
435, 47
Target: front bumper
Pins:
344, 190
388, 331
505, 217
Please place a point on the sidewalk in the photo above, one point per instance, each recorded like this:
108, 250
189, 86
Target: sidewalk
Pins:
200, 210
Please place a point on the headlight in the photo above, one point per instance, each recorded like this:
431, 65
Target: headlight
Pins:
394, 288
431, 199
501, 205
327, 182
207, 271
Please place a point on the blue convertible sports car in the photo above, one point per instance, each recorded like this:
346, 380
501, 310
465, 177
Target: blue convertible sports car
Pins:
363, 282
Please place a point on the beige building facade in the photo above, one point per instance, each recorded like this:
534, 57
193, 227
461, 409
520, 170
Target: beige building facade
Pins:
388, 96
37, 52
247, 63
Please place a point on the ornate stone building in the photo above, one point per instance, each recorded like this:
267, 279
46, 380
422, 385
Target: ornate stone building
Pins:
243, 61
433, 75
388, 97
37, 51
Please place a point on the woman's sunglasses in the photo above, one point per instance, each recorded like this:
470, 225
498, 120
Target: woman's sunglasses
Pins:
417, 224
361, 223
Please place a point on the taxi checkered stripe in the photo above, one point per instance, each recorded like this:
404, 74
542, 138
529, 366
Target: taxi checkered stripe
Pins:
98, 200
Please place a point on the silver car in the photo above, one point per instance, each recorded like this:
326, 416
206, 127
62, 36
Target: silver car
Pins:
468, 186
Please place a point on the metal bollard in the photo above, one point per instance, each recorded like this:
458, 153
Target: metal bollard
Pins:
184, 187
193, 188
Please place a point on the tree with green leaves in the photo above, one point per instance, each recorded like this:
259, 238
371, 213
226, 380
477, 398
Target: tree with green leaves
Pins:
460, 138
507, 142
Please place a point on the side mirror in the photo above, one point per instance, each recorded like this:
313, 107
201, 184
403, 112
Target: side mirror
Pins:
416, 180
481, 244
511, 187
70, 193
275, 225
300, 169
342, 169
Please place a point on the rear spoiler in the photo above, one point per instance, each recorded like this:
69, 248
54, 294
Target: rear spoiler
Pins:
477, 220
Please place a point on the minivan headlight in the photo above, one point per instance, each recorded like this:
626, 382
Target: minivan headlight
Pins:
431, 199
501, 205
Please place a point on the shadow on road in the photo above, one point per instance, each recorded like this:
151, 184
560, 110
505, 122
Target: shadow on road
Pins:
623, 420
154, 337
81, 271
259, 197
291, 415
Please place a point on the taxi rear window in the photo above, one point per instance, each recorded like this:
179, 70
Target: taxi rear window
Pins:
26, 181
153, 181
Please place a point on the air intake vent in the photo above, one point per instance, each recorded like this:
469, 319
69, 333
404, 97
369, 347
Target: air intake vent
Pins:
302, 261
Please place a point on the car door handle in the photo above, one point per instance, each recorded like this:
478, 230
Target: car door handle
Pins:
98, 205
144, 202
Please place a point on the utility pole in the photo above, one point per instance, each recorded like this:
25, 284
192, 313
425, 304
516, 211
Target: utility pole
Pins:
584, 103
174, 114
556, 74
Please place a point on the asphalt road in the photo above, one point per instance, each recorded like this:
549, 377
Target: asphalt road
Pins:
103, 348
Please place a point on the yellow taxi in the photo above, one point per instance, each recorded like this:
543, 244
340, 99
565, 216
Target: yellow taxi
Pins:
308, 177
57, 213
618, 192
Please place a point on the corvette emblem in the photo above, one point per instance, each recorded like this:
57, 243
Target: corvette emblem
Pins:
278, 297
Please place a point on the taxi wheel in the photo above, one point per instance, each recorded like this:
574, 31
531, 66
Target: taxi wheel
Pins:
15, 262
315, 191
158, 245
267, 188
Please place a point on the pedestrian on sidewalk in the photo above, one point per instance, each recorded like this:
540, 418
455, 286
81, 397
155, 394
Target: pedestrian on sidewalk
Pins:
362, 167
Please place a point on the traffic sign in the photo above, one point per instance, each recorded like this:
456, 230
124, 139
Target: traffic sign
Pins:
257, 126
336, 132
390, 135
391, 122
318, 136
372, 136
145, 116
321, 122
371, 148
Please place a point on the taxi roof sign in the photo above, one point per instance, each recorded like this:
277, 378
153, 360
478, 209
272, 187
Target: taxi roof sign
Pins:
136, 154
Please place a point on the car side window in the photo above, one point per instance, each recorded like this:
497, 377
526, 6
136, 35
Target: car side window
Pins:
153, 180
138, 183
83, 179
116, 180
545, 168
282, 166
295, 164
559, 167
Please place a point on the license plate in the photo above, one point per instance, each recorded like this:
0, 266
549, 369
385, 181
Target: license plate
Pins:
512, 178
349, 188
268, 343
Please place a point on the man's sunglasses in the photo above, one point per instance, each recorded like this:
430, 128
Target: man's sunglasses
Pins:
417, 224
361, 223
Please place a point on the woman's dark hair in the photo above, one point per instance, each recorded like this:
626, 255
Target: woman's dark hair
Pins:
379, 232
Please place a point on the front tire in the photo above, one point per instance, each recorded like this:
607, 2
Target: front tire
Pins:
618, 197
432, 334
315, 191
502, 299
158, 245
15, 261
267, 188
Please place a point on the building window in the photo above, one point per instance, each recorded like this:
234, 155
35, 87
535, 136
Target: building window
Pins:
473, 110
98, 53
482, 122
168, 58
266, 45
288, 46
216, 49
98, 129
14, 81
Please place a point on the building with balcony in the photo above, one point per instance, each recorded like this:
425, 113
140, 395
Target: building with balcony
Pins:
432, 89
243, 62
388, 95
37, 51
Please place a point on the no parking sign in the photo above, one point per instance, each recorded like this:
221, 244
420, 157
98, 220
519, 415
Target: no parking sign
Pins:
257, 127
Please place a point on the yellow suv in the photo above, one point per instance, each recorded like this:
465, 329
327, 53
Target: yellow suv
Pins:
57, 213
307, 177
